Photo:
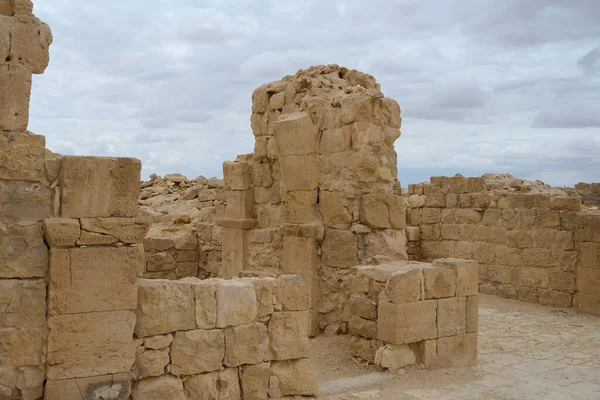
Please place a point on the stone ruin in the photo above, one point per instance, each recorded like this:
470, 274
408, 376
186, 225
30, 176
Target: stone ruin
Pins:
211, 289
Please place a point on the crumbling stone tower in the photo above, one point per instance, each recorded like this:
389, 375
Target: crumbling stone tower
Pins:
320, 192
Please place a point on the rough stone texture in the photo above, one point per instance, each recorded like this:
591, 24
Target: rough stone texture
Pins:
150, 363
407, 323
296, 378
23, 253
108, 387
236, 303
99, 187
288, 337
81, 345
246, 344
254, 381
159, 388
203, 386
93, 279
186, 347
395, 357
163, 307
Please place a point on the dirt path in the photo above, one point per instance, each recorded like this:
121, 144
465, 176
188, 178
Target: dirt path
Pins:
526, 351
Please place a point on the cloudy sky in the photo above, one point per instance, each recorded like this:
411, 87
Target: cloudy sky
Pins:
484, 85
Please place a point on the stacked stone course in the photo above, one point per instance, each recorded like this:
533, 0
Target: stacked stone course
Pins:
409, 312
528, 245
228, 339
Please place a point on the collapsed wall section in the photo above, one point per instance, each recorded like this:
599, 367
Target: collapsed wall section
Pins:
528, 245
319, 193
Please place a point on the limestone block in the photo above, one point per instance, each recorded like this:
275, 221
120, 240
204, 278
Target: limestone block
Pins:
15, 92
92, 279
30, 39
407, 323
452, 316
246, 344
472, 314
565, 240
236, 303
22, 156
126, 230
108, 387
22, 322
589, 303
404, 287
339, 248
468, 216
159, 388
335, 209
547, 219
188, 345
23, 253
296, 377
299, 206
292, 293
300, 172
234, 245
24, 202
150, 363
288, 336
158, 342
536, 257
590, 254
203, 386
164, 307
439, 282
389, 242
509, 256
531, 277
296, 135
426, 352
457, 351
555, 298
588, 280
335, 140
99, 187
263, 288
374, 211
467, 275
413, 233
236, 175
431, 216
240, 204
363, 307
229, 384
206, 304
81, 345
254, 381
162, 261
363, 327
394, 357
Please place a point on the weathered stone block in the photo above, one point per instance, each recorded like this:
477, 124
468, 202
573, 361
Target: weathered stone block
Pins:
159, 388
236, 303
234, 245
126, 230
292, 293
61, 232
236, 175
197, 351
23, 253
531, 277
296, 135
109, 387
93, 279
206, 304
150, 363
590, 255
246, 344
335, 209
555, 298
363, 327
22, 156
81, 345
467, 275
404, 287
296, 377
240, 204
363, 307
299, 206
254, 381
452, 316
203, 386
288, 336
300, 172
15, 92
339, 248
22, 202
229, 384
439, 282
99, 187
472, 314
394, 357
158, 342
407, 323
164, 307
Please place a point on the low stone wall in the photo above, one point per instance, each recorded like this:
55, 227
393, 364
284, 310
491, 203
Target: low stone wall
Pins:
416, 312
588, 274
229, 339
527, 244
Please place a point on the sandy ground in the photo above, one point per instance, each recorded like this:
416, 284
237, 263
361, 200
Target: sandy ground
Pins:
526, 351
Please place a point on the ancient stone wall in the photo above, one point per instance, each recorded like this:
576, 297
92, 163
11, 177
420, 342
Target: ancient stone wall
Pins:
228, 339
527, 244
588, 274
411, 312
318, 195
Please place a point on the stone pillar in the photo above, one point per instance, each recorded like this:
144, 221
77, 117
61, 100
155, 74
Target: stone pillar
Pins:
588, 273
239, 218
25, 200
96, 255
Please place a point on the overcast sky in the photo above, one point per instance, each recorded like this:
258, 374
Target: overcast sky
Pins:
484, 86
